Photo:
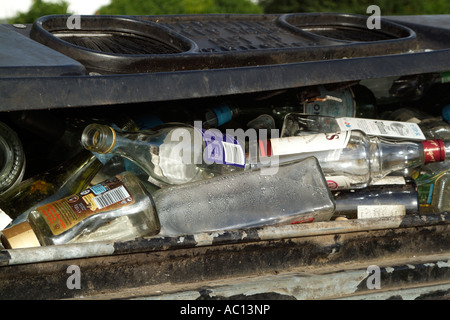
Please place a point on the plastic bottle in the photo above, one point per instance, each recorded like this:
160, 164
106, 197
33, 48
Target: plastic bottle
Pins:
296, 193
296, 124
116, 209
351, 159
68, 178
12, 159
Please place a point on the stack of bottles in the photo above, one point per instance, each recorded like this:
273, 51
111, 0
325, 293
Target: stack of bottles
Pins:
331, 152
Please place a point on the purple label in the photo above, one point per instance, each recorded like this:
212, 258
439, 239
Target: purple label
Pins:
222, 148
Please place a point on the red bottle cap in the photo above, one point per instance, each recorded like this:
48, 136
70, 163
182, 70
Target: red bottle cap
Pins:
434, 150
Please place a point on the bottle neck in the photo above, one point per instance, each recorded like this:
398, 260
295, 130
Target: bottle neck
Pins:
98, 138
393, 156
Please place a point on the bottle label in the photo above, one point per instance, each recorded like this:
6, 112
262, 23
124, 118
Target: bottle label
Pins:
222, 148
63, 214
425, 192
338, 182
382, 128
338, 103
309, 143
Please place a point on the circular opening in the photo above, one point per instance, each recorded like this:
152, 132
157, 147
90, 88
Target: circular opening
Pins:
118, 42
98, 138
347, 28
5, 153
109, 35
12, 158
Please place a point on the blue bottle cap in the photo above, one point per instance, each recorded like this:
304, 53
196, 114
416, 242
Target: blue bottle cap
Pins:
223, 114
446, 112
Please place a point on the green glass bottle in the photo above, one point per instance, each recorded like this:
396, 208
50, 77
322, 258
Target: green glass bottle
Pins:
68, 178
355, 101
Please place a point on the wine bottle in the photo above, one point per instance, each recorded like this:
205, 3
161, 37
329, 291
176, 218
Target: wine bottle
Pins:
390, 191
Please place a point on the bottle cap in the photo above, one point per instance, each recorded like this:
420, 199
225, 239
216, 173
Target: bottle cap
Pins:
20, 236
446, 112
434, 150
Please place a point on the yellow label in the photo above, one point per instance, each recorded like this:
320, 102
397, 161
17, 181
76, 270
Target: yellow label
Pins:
63, 214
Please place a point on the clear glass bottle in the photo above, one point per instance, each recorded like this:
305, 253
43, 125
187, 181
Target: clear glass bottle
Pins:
173, 153
68, 178
351, 159
12, 158
297, 193
296, 124
433, 127
116, 209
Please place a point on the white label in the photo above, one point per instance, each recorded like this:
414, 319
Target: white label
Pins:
110, 197
233, 153
4, 220
381, 211
389, 180
382, 128
338, 182
309, 143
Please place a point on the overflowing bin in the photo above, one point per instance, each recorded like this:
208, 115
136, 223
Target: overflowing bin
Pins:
293, 156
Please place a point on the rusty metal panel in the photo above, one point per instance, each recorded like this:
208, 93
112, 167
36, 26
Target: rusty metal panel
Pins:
176, 266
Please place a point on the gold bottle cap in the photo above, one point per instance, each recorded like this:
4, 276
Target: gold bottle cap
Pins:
20, 236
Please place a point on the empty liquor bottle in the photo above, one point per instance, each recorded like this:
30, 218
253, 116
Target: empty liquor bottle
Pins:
351, 159
118, 209
389, 191
170, 154
296, 124
297, 193
433, 127
68, 178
